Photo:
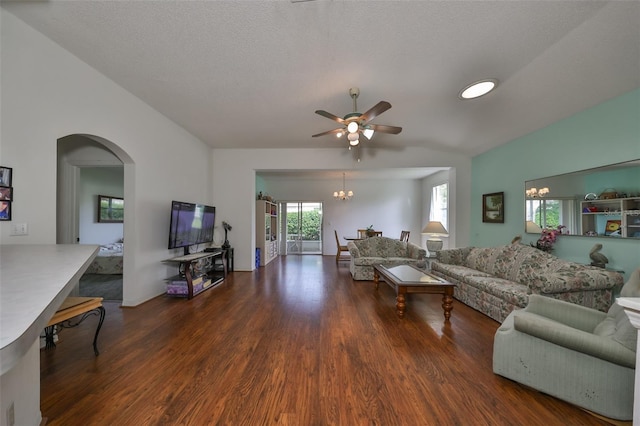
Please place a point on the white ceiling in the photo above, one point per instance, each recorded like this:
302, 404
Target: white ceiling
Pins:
250, 74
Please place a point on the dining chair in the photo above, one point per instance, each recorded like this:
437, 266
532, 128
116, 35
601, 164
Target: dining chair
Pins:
362, 233
404, 236
377, 234
341, 249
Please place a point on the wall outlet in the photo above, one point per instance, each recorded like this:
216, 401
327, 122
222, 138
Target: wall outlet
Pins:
11, 415
19, 229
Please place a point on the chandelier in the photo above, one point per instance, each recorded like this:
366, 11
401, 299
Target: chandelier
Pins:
534, 192
342, 194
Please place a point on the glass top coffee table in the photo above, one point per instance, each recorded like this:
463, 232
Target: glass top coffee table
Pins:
406, 279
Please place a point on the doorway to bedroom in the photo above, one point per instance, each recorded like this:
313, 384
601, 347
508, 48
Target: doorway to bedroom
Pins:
88, 174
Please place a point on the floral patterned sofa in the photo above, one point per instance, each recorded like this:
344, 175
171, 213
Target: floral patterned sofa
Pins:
386, 251
497, 280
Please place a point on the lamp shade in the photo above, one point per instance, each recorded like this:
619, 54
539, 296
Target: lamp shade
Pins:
435, 228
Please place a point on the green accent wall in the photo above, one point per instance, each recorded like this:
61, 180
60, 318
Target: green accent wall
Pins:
605, 134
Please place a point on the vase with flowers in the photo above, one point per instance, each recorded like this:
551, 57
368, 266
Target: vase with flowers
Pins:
227, 228
548, 238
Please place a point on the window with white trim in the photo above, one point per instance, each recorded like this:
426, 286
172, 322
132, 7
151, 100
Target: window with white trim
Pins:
439, 210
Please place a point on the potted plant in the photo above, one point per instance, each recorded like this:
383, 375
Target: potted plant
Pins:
370, 231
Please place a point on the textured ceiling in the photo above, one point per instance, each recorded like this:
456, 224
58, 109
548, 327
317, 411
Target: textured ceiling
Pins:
249, 74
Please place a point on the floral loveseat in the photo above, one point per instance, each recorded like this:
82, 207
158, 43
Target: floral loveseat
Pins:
386, 251
496, 280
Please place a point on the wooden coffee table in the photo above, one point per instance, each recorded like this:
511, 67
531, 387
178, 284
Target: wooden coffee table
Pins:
407, 279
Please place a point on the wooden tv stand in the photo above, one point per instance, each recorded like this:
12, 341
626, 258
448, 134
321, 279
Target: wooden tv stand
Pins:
196, 279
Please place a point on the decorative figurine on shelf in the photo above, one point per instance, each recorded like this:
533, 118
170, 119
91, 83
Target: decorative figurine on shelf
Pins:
598, 259
227, 228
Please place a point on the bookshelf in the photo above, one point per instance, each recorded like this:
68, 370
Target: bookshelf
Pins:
267, 230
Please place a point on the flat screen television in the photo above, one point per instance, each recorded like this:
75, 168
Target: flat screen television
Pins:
191, 224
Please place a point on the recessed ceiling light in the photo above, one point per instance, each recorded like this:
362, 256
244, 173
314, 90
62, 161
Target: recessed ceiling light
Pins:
477, 89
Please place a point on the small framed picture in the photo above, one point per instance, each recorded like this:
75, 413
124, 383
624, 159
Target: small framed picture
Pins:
5, 210
613, 228
493, 207
110, 209
6, 193
6, 174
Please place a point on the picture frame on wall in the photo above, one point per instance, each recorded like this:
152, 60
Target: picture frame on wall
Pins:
6, 176
493, 207
110, 209
5, 210
6, 193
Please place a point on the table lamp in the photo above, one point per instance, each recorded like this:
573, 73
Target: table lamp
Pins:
434, 229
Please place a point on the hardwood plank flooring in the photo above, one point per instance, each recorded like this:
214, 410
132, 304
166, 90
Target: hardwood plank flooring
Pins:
294, 343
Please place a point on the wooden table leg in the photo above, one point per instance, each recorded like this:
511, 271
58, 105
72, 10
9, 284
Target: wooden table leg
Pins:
447, 303
401, 305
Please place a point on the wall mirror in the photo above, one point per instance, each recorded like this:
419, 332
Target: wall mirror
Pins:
599, 202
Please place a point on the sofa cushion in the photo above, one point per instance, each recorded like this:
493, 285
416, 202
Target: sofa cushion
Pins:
512, 292
618, 327
456, 271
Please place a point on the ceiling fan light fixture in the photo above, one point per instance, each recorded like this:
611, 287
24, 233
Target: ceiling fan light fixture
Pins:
478, 88
353, 137
368, 133
339, 135
352, 127
355, 142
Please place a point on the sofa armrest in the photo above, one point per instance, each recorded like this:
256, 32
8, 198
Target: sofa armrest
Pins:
353, 249
416, 252
456, 256
570, 314
574, 280
577, 340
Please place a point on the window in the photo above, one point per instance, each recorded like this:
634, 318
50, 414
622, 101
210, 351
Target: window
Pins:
439, 210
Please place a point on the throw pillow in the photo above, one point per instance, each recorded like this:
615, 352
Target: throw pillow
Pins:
617, 326
632, 286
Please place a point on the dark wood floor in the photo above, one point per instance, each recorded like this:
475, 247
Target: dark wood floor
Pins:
295, 343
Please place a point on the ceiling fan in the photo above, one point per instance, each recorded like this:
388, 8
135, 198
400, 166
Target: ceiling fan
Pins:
354, 124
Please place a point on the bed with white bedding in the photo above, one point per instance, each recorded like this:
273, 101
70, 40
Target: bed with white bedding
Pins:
108, 260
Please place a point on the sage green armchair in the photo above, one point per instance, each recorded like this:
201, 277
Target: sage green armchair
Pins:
578, 354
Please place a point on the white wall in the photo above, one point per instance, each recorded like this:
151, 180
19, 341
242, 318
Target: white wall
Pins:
234, 189
96, 181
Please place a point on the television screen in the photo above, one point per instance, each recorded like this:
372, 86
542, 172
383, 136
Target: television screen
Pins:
190, 224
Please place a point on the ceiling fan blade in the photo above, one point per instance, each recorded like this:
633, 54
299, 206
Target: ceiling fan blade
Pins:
378, 109
394, 130
330, 116
329, 132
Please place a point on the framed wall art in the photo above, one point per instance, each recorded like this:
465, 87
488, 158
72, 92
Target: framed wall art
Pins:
110, 209
6, 193
493, 207
5, 210
6, 176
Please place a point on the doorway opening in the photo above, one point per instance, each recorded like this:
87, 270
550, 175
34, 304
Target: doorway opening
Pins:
302, 227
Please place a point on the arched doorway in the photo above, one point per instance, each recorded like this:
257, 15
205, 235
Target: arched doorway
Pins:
89, 167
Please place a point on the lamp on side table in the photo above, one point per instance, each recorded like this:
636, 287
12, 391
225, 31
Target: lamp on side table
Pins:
434, 229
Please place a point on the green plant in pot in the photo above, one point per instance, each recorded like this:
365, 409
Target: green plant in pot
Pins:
370, 231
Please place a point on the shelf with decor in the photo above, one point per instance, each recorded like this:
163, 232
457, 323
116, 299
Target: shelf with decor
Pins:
613, 217
267, 230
